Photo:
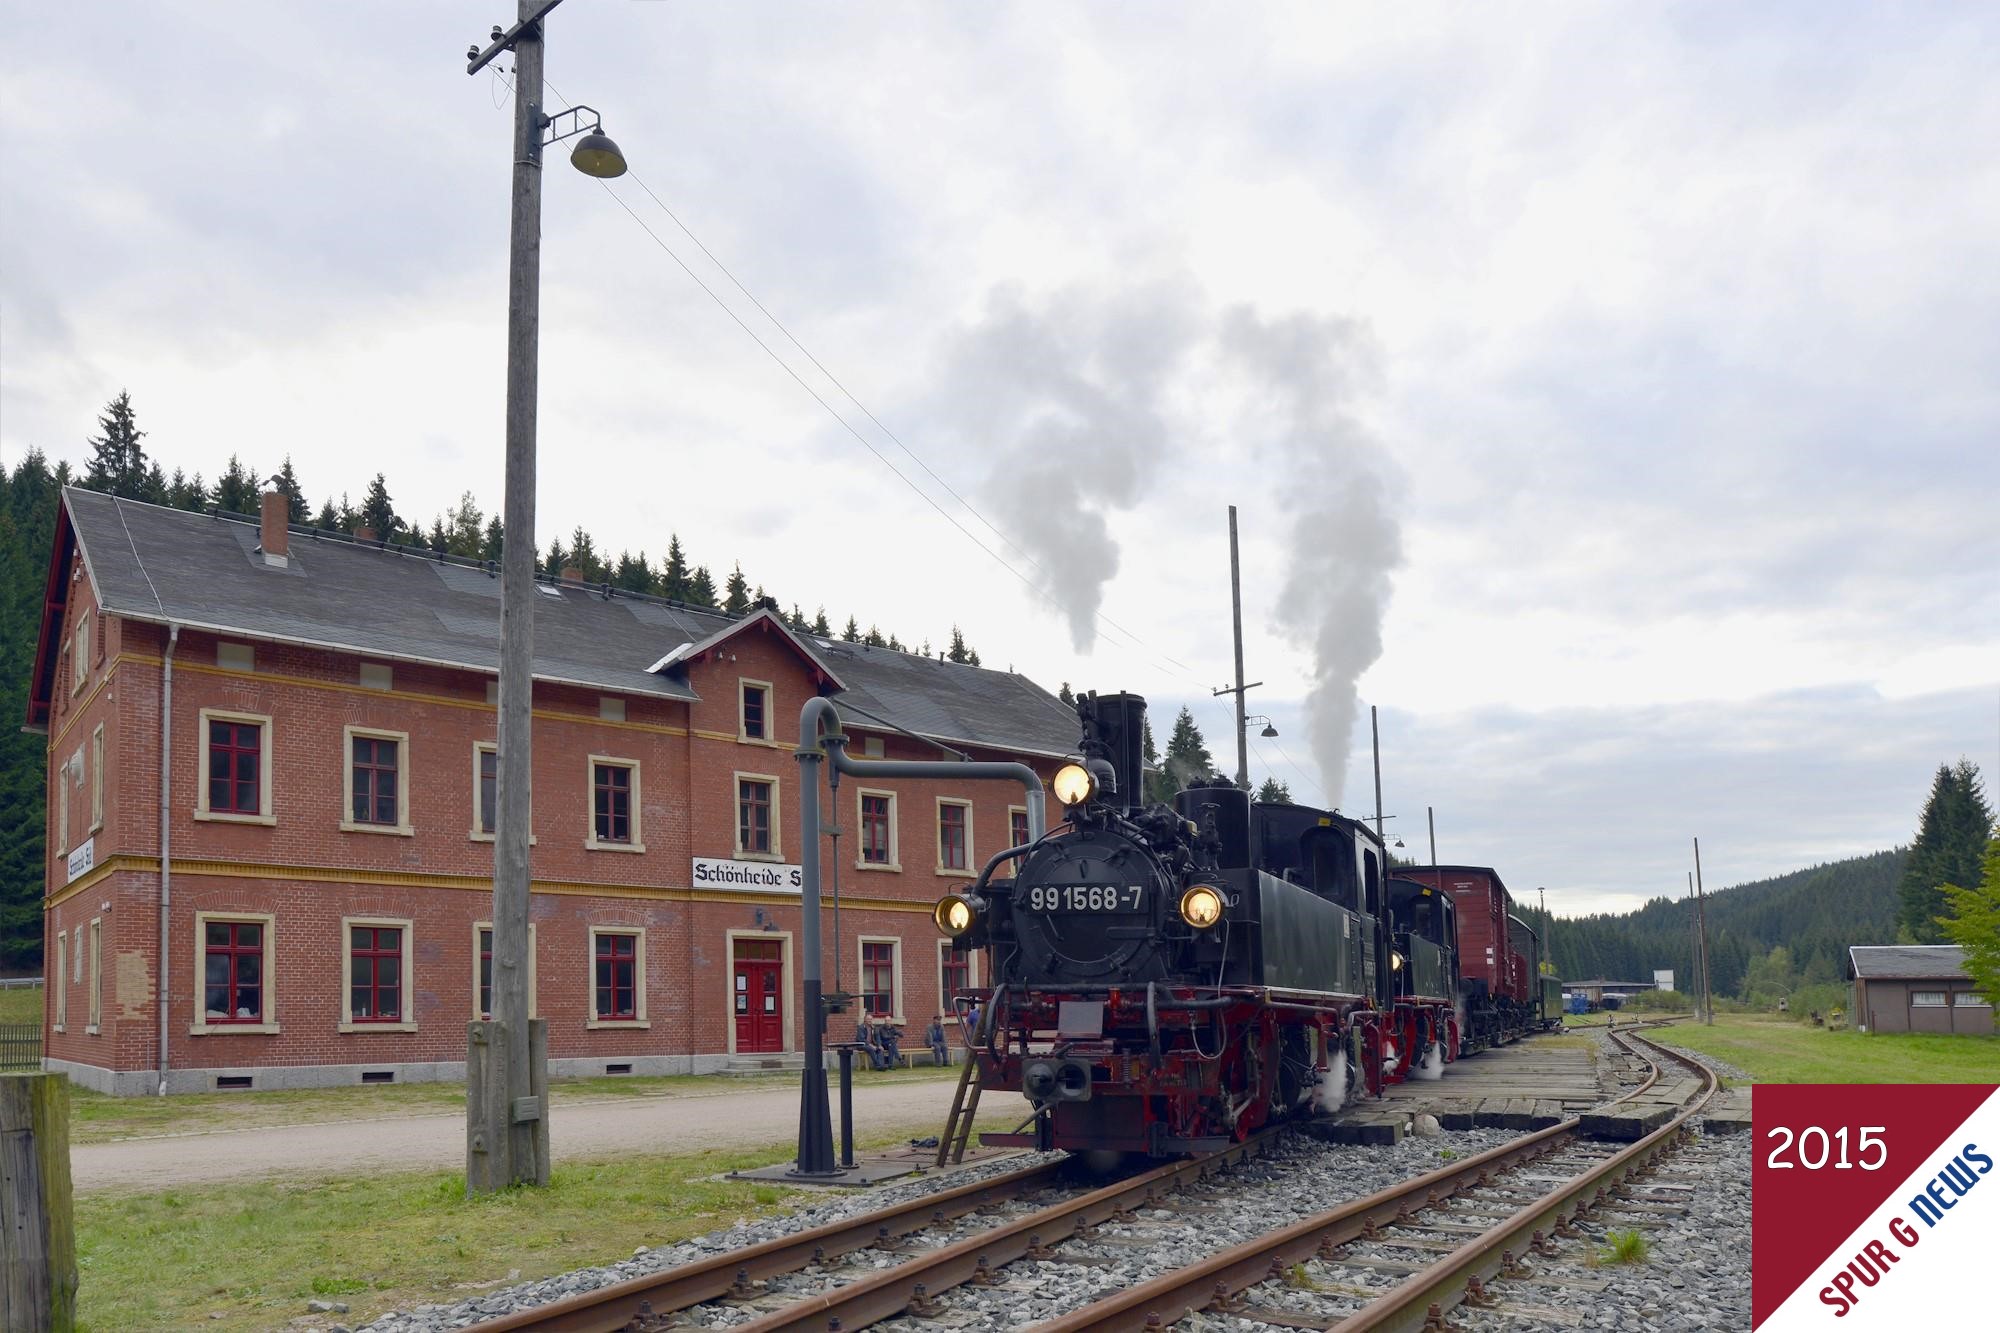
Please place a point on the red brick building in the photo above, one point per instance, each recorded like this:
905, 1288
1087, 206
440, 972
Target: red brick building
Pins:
311, 834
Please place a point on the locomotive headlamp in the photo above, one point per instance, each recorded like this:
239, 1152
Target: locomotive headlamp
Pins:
1395, 961
1073, 784
1201, 907
954, 914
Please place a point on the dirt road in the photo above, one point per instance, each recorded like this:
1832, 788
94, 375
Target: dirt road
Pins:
577, 1129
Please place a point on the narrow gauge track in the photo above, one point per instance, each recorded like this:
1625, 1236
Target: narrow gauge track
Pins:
1501, 1210
647, 1303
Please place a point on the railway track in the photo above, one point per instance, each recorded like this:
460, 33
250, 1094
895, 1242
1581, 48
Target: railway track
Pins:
869, 1294
1400, 1258
1381, 1262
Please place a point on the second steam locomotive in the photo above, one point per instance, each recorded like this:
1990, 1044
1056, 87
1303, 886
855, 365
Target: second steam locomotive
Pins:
1168, 979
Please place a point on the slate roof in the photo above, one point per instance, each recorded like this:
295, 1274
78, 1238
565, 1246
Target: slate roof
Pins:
1906, 962
169, 566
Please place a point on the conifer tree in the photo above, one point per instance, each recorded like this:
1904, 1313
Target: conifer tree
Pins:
440, 538
236, 491
328, 517
1274, 792
1951, 838
295, 495
466, 525
896, 643
674, 578
873, 638
1188, 760
701, 589
956, 652
378, 512
492, 539
852, 633
117, 459
738, 600
633, 574
558, 559
1068, 698
820, 626
155, 489
583, 554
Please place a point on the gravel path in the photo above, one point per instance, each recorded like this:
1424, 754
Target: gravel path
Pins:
652, 1125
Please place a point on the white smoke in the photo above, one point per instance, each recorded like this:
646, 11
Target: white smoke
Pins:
1332, 1092
1344, 535
1064, 399
1432, 1065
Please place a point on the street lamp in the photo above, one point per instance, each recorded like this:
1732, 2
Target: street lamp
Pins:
507, 1128
1269, 730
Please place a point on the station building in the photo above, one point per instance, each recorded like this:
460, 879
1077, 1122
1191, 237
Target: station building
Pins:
271, 785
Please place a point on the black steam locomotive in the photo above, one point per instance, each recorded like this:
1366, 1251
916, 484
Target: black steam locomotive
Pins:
1168, 979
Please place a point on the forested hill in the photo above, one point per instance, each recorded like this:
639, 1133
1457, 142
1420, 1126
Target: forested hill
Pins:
1814, 914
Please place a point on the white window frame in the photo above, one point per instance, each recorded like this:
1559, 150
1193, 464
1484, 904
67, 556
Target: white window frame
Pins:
1929, 999
408, 1021
937, 839
639, 1019
1022, 811
403, 764
477, 1014
262, 722
96, 778
62, 982
1969, 999
744, 684
895, 861
201, 1026
62, 809
96, 976
777, 852
785, 978
895, 1016
80, 652
590, 839
971, 977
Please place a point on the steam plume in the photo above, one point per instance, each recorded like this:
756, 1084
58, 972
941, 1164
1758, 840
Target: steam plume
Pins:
1344, 536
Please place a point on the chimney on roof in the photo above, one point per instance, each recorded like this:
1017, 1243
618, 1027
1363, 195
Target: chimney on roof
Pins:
364, 533
571, 574
274, 537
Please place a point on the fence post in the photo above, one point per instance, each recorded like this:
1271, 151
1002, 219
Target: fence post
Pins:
37, 1229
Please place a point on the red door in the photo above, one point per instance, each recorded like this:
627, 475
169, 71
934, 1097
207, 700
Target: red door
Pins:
759, 996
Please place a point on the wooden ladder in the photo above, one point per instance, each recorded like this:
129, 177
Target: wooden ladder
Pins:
965, 1102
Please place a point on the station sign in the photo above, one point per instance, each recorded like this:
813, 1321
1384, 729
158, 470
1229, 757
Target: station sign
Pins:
83, 860
748, 876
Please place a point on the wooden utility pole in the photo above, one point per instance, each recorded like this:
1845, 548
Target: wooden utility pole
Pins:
1236, 620
37, 1228
506, 1129
1430, 817
1701, 924
1375, 734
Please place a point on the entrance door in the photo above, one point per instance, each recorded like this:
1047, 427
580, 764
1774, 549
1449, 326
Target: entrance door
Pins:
759, 995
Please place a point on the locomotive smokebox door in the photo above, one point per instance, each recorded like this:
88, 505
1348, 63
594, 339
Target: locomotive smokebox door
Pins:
1079, 1019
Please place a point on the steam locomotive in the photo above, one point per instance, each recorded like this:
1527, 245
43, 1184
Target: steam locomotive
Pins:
1168, 979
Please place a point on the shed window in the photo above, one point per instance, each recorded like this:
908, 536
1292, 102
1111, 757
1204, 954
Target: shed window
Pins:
1967, 999
1927, 999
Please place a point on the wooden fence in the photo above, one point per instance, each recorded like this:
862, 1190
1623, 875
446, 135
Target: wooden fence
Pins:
20, 1047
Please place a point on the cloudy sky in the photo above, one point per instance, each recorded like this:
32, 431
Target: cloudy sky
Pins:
1608, 392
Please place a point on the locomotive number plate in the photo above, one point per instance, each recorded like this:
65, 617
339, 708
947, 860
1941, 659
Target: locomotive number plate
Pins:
1098, 898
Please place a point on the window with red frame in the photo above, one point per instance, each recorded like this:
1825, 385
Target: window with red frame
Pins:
875, 830
235, 758
233, 972
753, 816
878, 979
613, 783
1017, 827
617, 993
951, 837
957, 968
375, 974
375, 767
753, 713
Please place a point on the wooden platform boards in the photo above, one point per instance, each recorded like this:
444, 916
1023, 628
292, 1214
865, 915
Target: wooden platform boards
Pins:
1529, 1085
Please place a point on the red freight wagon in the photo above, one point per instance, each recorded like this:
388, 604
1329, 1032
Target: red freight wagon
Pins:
1494, 976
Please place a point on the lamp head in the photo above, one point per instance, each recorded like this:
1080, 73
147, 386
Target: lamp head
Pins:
1268, 732
595, 155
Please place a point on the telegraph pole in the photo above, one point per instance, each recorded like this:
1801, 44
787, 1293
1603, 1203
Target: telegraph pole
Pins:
1430, 817
1236, 620
1701, 924
1375, 733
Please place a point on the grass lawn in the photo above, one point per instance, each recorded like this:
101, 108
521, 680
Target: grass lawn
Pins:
97, 1118
21, 1004
255, 1253
1775, 1050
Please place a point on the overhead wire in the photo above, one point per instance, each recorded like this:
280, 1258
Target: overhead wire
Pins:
1132, 641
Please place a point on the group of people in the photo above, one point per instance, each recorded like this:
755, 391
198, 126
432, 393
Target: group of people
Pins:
882, 1042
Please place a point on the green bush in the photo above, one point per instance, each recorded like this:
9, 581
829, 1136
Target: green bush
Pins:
1824, 998
1659, 1002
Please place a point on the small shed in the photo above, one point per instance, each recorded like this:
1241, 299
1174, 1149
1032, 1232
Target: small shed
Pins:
1915, 988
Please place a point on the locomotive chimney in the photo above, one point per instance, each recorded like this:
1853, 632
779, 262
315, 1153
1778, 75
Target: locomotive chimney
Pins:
1121, 728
